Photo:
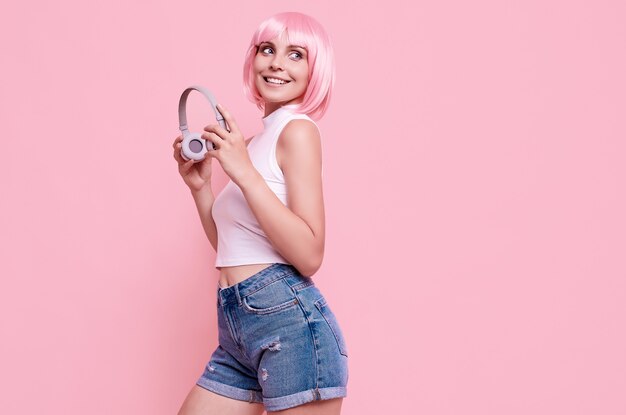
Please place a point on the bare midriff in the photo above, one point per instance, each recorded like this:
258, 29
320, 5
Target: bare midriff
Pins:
235, 274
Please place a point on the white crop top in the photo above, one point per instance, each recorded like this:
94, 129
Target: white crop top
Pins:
240, 239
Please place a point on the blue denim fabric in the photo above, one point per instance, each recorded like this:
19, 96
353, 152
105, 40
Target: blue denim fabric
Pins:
279, 342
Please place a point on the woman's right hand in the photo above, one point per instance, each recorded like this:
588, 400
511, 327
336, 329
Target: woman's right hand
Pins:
196, 175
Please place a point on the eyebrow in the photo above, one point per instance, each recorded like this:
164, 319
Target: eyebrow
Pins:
290, 46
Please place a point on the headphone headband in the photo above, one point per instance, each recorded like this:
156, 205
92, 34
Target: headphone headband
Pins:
182, 107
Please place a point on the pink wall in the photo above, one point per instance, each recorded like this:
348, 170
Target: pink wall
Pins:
474, 183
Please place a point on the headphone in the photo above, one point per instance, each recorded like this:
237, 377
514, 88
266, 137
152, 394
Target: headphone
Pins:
194, 147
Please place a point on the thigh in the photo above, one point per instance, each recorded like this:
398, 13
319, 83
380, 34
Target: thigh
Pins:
201, 401
326, 407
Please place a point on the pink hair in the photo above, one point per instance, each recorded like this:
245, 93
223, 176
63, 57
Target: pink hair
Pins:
304, 31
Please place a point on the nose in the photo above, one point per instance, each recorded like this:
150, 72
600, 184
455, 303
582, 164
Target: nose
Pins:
276, 63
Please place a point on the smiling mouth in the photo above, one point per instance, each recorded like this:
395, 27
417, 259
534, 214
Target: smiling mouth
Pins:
275, 81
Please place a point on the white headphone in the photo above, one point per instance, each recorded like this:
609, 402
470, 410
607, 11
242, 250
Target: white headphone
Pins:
194, 147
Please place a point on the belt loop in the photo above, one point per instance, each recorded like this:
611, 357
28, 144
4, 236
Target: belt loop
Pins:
236, 287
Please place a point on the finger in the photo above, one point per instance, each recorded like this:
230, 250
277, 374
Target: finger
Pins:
218, 130
178, 139
184, 168
229, 119
207, 157
205, 167
177, 155
214, 138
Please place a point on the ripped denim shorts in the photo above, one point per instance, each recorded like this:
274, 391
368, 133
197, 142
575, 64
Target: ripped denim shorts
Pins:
279, 342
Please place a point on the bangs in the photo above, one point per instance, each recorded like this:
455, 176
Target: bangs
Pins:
295, 29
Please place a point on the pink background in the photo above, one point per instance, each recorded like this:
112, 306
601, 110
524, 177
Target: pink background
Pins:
474, 176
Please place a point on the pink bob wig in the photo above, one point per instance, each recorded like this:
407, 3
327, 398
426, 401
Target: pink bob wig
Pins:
301, 30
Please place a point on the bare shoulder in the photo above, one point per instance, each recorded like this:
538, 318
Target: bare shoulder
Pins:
299, 141
299, 154
303, 128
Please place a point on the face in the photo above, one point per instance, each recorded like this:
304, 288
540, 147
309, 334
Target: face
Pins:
281, 73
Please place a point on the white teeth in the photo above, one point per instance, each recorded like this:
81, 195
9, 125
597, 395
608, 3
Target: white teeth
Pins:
275, 81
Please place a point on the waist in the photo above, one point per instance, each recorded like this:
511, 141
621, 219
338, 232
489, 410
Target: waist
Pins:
255, 282
237, 273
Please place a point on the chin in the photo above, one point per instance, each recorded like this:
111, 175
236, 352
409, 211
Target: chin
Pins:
268, 96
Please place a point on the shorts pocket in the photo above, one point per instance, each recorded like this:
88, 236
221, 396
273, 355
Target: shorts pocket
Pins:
330, 318
272, 298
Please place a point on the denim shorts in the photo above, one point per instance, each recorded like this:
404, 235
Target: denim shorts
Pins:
279, 342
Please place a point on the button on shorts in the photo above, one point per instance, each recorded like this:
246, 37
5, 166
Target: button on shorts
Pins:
279, 342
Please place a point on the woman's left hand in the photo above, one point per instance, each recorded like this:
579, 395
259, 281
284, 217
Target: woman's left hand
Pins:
231, 150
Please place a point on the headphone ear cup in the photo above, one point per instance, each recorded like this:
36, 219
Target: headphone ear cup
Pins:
194, 147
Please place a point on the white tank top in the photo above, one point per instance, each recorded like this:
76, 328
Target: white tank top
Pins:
240, 239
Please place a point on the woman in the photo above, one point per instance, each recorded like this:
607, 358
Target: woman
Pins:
280, 346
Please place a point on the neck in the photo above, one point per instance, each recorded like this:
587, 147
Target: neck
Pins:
270, 107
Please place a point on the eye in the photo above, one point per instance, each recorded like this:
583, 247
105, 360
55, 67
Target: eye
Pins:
266, 50
295, 55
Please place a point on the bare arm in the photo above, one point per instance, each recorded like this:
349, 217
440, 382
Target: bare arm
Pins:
204, 202
297, 230
204, 199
